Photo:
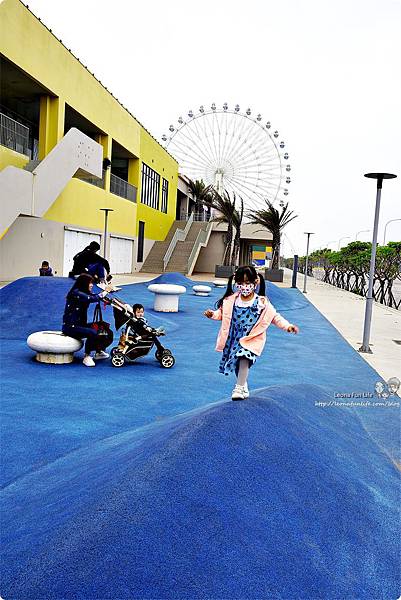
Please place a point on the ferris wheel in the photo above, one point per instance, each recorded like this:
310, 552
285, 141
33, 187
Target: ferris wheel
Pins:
233, 151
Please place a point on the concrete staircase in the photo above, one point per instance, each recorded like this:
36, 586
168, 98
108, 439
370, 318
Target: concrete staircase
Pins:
179, 260
32, 190
154, 260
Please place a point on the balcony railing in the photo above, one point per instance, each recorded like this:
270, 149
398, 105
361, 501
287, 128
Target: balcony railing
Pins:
14, 135
122, 188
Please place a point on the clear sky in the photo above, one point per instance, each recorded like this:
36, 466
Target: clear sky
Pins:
326, 74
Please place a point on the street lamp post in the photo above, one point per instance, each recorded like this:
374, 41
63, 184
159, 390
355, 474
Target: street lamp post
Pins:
308, 233
106, 217
362, 231
385, 227
369, 297
341, 239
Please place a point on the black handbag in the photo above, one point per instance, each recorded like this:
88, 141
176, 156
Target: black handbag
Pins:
104, 334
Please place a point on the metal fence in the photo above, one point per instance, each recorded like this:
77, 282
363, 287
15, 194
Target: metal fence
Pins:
14, 135
385, 291
196, 216
122, 188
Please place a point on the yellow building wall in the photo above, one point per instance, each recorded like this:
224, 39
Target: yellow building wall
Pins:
11, 158
26, 42
157, 223
80, 203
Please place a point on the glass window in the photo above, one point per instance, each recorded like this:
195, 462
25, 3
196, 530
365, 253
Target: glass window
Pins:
150, 187
164, 195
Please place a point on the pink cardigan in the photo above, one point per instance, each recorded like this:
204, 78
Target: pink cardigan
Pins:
256, 338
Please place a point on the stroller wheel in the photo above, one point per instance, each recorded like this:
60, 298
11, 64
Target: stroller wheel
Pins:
113, 351
167, 360
117, 359
167, 351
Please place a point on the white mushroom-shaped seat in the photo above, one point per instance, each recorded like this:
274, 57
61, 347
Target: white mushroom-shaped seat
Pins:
220, 283
167, 296
53, 347
201, 290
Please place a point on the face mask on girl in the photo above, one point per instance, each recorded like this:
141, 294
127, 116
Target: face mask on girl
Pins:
246, 289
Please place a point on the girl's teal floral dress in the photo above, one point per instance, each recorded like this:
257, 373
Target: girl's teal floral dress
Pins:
242, 321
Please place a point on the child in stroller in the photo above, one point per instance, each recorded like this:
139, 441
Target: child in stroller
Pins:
138, 338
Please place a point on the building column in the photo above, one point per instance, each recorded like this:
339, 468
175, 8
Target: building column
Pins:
133, 171
133, 174
106, 141
51, 124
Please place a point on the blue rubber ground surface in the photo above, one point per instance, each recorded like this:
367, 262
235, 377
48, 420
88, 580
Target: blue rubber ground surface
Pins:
149, 483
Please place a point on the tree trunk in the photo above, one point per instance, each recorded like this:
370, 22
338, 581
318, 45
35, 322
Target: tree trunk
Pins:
276, 250
229, 241
236, 247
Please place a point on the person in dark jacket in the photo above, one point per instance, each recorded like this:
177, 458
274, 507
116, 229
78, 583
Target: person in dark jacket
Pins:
75, 318
88, 261
45, 270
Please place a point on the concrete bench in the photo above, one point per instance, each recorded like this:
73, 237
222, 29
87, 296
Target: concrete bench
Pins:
53, 347
167, 296
202, 290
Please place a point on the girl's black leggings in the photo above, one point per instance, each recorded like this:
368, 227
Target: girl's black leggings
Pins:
78, 332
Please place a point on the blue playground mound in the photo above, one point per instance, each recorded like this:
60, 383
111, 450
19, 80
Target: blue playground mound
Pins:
268, 498
147, 483
173, 278
37, 303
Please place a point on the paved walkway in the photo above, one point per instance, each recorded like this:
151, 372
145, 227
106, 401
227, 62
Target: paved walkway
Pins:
344, 310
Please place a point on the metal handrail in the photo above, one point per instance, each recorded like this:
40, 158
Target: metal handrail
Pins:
122, 188
202, 239
179, 236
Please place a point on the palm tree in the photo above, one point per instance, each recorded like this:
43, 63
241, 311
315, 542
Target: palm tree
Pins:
200, 193
270, 218
225, 209
237, 222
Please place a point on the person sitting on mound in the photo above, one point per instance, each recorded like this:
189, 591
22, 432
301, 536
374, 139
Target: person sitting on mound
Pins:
75, 318
45, 270
88, 261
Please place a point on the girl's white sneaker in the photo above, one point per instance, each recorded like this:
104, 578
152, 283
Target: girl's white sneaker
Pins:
101, 355
88, 361
238, 393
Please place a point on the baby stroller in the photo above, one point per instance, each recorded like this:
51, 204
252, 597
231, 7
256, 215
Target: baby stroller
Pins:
138, 338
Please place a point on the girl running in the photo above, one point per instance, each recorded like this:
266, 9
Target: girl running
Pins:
245, 316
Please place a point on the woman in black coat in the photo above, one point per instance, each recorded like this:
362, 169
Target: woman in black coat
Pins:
88, 261
75, 318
